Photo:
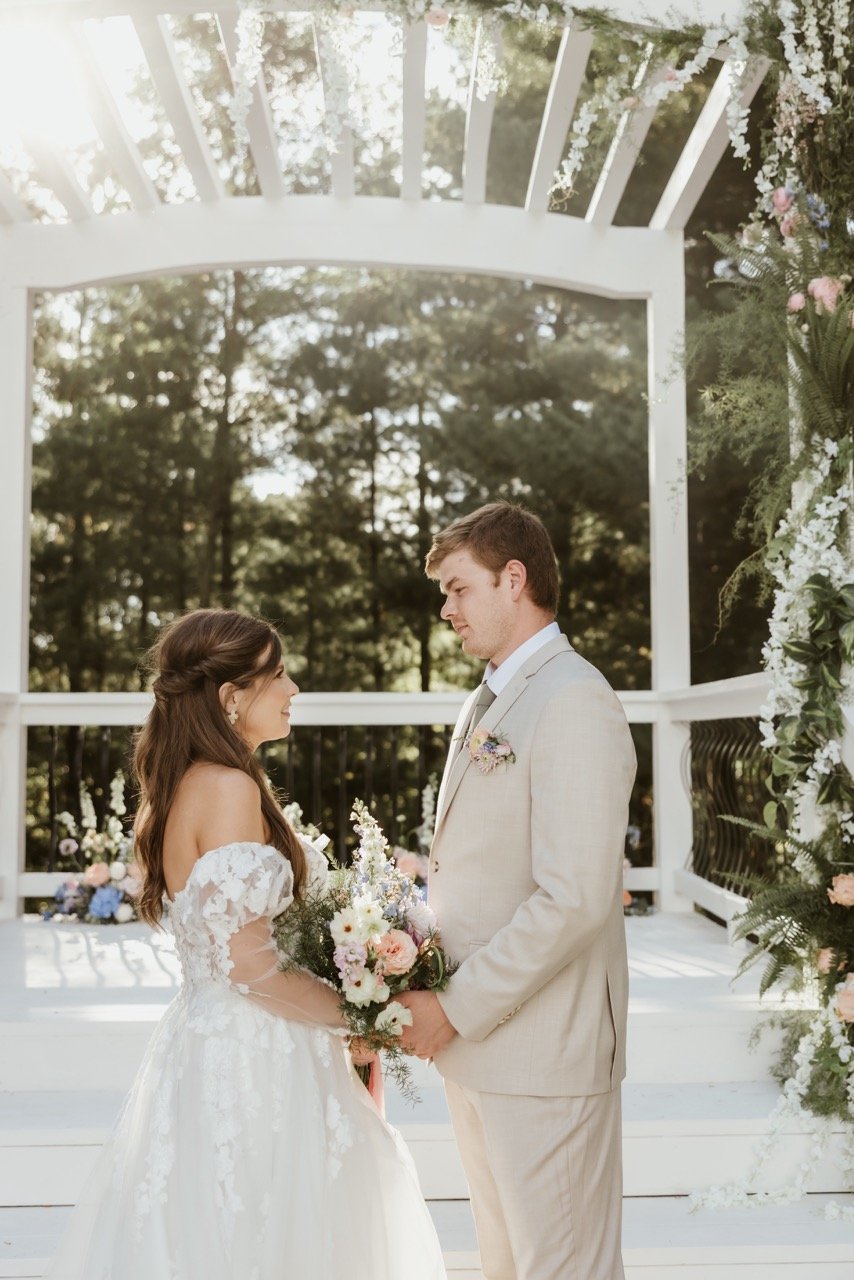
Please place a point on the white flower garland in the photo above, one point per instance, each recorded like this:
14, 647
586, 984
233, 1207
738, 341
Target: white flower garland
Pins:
810, 534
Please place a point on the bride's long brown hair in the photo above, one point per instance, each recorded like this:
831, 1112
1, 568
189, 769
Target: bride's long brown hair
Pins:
192, 657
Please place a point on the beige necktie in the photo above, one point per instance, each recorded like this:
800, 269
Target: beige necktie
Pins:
485, 698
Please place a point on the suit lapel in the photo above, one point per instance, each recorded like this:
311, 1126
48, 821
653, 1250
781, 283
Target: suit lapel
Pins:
459, 759
490, 719
455, 749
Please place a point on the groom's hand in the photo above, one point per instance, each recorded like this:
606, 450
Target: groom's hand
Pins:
431, 1030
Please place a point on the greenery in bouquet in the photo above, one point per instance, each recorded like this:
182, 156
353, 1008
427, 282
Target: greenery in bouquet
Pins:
370, 934
104, 888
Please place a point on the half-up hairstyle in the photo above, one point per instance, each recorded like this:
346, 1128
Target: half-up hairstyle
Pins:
192, 657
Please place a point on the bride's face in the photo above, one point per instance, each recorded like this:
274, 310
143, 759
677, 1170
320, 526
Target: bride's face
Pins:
264, 708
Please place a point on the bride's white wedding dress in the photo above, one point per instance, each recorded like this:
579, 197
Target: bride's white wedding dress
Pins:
248, 1149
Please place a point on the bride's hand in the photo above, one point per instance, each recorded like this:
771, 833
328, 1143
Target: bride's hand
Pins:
360, 1053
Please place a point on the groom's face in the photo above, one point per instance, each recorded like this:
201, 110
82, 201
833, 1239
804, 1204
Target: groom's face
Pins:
478, 605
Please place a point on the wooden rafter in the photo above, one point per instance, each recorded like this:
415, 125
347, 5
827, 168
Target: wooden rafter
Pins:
260, 125
339, 136
162, 59
479, 117
567, 78
705, 147
53, 170
414, 109
118, 145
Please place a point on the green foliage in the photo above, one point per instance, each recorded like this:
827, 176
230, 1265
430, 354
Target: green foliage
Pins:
790, 922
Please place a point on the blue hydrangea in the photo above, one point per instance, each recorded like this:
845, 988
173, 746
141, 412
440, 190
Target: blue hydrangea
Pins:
104, 902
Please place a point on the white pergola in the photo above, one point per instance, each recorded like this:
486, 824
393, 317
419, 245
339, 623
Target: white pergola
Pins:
586, 253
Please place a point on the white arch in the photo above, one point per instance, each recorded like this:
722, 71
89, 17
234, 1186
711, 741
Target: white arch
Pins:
613, 262
565, 252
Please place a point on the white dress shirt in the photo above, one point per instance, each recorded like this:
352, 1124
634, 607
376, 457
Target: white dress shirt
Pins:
499, 677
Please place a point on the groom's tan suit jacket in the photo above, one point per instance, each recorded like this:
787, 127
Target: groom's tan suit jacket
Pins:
526, 881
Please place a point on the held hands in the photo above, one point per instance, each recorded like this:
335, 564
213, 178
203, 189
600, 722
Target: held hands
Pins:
361, 1054
431, 1030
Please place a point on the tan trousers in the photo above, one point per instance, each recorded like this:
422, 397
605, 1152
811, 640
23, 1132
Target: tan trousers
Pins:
545, 1176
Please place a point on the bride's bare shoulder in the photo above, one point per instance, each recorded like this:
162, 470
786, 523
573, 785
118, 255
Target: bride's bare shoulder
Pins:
210, 780
214, 805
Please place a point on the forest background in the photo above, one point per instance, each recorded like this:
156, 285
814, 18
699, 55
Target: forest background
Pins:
286, 441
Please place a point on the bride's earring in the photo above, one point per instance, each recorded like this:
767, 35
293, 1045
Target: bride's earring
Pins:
232, 715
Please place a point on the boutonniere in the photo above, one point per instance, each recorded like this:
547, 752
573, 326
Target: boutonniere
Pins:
489, 750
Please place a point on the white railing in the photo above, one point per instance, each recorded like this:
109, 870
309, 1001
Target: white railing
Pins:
676, 887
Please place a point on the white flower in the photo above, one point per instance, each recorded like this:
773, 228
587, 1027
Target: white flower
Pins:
421, 917
118, 870
393, 1018
346, 926
123, 913
369, 917
365, 987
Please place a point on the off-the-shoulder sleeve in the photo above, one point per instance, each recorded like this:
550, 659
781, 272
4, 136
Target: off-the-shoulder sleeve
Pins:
238, 889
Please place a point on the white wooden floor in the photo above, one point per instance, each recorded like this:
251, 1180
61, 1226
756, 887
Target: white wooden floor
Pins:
77, 1004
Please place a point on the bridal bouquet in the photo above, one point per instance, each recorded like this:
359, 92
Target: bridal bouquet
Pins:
369, 934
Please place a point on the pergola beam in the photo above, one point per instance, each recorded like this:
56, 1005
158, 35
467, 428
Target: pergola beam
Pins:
705, 147
414, 109
12, 208
162, 59
479, 117
706, 12
260, 126
339, 135
54, 170
118, 145
567, 77
629, 137
249, 231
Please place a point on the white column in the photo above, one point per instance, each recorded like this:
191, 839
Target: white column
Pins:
16, 353
669, 604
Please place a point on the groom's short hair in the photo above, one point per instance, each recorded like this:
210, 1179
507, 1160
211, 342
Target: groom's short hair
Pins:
499, 532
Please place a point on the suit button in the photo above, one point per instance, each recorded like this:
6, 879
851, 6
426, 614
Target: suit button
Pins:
435, 866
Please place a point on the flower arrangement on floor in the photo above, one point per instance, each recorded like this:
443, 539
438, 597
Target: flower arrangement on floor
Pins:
371, 936
105, 889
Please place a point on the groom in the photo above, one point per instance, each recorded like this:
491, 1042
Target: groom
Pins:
526, 882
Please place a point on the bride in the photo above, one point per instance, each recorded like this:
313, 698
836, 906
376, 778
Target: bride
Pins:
247, 1149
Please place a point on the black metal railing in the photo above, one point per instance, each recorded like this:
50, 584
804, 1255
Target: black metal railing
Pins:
729, 767
323, 768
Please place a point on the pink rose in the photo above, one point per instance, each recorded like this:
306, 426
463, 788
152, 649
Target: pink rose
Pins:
503, 749
789, 224
825, 290
99, 874
396, 950
782, 200
824, 960
411, 864
796, 302
845, 1000
476, 741
437, 18
842, 892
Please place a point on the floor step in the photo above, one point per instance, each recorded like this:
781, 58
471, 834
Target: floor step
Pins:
662, 1240
676, 1139
78, 1004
